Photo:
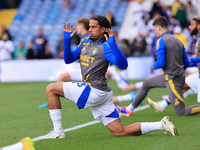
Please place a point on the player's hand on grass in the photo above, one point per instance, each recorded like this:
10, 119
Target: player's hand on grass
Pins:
69, 28
110, 33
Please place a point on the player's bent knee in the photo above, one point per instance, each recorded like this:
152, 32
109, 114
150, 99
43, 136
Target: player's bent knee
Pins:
64, 77
124, 90
50, 88
145, 83
181, 113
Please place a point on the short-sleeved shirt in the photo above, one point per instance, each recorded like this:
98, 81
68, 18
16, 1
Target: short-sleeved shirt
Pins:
40, 44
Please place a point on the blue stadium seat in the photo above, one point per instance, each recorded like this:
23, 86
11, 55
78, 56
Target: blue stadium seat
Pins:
50, 16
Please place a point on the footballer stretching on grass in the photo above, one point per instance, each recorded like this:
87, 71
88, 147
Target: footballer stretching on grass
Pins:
95, 54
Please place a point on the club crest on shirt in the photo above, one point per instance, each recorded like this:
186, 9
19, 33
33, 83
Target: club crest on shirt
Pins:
94, 51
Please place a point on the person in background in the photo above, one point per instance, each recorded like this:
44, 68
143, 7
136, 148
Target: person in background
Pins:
182, 16
156, 8
110, 18
179, 35
20, 52
172, 58
91, 14
139, 45
172, 23
41, 44
175, 7
67, 4
191, 50
59, 47
75, 41
30, 51
6, 48
166, 11
191, 11
150, 24
139, 9
5, 31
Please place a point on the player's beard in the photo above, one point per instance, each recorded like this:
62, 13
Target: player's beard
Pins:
194, 32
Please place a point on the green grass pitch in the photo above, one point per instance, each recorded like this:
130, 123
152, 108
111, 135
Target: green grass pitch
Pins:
21, 117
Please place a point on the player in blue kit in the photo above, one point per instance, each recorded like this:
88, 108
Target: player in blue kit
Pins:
172, 58
95, 54
193, 81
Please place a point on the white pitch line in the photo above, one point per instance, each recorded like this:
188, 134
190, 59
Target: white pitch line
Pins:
92, 122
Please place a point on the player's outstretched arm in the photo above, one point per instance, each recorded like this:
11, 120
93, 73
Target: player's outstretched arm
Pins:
112, 52
69, 56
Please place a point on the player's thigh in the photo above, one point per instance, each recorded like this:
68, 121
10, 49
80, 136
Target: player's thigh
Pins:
156, 81
65, 77
74, 90
55, 88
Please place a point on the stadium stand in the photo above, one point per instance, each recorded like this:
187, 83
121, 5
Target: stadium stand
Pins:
50, 16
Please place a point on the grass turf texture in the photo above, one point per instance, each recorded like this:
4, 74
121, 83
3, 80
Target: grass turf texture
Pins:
21, 117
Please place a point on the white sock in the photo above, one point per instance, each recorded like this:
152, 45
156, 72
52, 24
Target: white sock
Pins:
56, 118
163, 104
147, 127
138, 85
17, 146
130, 107
126, 97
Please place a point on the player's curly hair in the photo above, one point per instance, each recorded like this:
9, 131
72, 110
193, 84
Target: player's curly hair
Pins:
103, 22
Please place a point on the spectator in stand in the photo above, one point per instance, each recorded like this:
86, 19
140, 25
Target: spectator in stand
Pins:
59, 47
41, 45
172, 23
141, 25
30, 51
166, 11
192, 46
191, 11
179, 35
139, 45
175, 7
91, 14
20, 52
150, 24
67, 4
110, 18
5, 31
156, 8
182, 16
75, 41
6, 48
139, 9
